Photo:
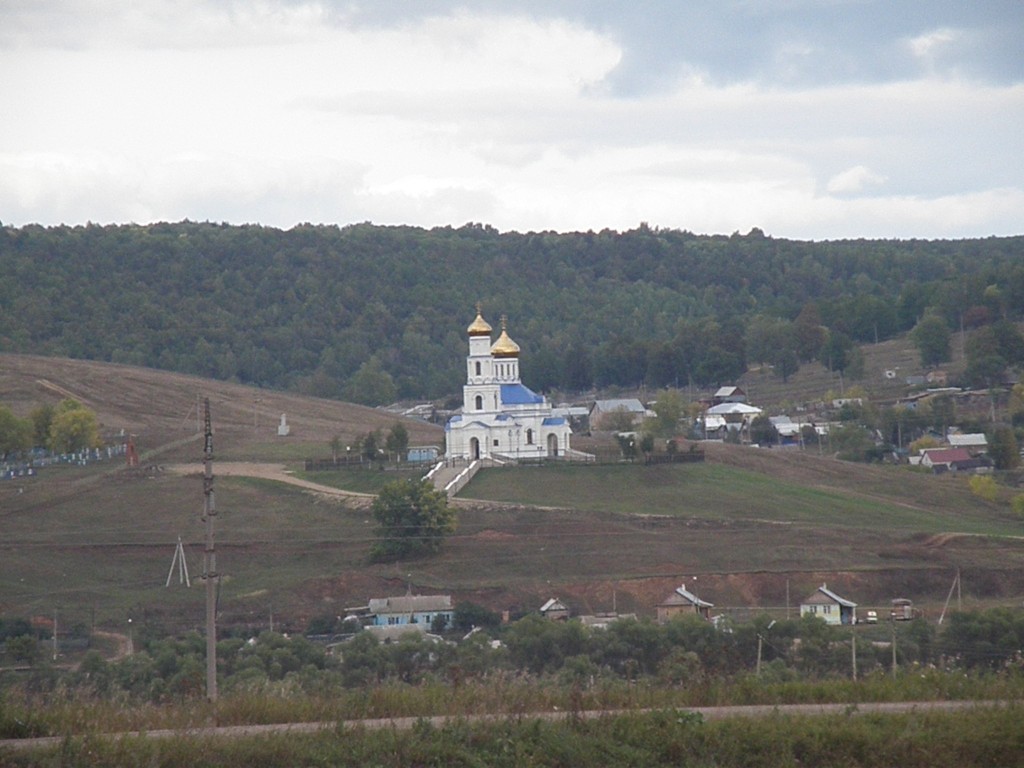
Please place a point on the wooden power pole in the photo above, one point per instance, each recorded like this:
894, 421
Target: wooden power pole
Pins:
210, 560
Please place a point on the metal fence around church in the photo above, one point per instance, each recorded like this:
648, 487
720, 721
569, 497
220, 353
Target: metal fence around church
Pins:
599, 456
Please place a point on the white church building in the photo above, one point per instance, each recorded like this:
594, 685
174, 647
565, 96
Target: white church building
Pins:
501, 417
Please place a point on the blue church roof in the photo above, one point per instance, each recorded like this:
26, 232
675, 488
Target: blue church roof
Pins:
517, 394
553, 421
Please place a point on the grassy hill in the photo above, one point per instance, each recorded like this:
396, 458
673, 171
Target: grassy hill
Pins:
749, 529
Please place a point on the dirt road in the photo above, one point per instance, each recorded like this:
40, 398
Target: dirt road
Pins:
267, 472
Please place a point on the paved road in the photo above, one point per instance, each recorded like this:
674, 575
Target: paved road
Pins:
405, 723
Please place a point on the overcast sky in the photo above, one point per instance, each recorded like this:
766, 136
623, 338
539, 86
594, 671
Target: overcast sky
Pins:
809, 119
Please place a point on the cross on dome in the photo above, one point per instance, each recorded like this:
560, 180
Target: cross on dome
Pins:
504, 346
479, 327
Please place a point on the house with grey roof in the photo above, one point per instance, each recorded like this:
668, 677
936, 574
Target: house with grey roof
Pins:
601, 410
973, 442
410, 609
728, 417
731, 394
555, 610
830, 607
682, 602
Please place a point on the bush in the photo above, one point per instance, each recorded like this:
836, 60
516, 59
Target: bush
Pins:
24, 649
984, 487
1018, 504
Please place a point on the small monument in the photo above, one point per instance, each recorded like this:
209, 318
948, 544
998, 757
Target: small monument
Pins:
283, 429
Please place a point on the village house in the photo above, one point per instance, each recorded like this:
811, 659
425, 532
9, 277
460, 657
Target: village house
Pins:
941, 460
973, 442
683, 602
720, 420
830, 607
603, 412
410, 609
728, 395
555, 610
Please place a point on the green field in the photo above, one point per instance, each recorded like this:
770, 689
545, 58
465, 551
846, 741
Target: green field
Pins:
719, 492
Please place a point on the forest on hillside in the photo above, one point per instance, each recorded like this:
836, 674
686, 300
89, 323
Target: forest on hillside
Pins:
372, 313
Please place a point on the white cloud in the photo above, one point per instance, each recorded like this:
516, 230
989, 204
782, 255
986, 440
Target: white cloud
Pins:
928, 44
286, 112
854, 179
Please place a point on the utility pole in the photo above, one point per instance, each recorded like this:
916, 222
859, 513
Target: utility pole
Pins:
179, 560
853, 656
892, 621
210, 560
760, 646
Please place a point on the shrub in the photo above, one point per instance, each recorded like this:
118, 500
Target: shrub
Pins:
984, 487
1018, 504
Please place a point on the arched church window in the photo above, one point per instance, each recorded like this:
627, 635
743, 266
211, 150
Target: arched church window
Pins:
479, 402
529, 437
477, 367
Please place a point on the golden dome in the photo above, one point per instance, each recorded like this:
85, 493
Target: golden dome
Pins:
504, 346
479, 327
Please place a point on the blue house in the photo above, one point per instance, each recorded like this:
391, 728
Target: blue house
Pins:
410, 609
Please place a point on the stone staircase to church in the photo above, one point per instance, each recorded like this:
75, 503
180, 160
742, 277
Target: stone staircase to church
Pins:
452, 478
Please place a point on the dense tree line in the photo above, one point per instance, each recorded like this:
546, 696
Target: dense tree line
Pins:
686, 651
369, 313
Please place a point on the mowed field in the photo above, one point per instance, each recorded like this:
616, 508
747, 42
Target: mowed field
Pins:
749, 529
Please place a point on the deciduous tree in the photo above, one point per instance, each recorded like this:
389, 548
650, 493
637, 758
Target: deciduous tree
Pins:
73, 428
412, 519
370, 446
669, 409
762, 431
810, 333
628, 446
15, 433
41, 418
371, 384
1003, 448
397, 440
931, 336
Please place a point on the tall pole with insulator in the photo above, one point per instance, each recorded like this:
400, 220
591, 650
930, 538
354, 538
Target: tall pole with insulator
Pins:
210, 561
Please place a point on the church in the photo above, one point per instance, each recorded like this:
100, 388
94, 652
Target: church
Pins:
501, 417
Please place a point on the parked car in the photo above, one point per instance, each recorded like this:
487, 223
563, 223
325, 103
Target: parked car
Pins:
872, 617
